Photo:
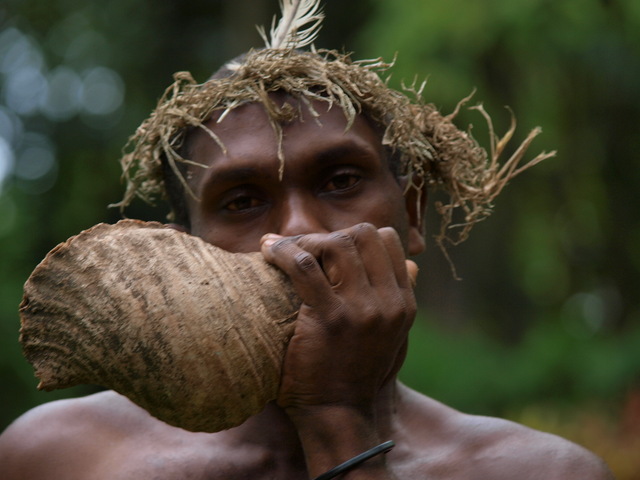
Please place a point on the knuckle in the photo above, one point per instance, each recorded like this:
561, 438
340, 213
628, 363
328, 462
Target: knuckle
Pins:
401, 307
389, 234
368, 310
388, 231
281, 244
372, 314
305, 261
365, 227
341, 239
410, 310
364, 231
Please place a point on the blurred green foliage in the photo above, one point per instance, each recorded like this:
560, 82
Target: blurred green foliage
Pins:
561, 249
548, 311
477, 374
573, 67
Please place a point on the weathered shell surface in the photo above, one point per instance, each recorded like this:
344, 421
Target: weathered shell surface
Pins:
193, 334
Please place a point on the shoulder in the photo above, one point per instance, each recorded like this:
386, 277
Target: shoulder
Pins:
106, 436
102, 413
64, 433
472, 446
504, 449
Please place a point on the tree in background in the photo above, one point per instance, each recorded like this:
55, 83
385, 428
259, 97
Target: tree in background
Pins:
569, 226
548, 312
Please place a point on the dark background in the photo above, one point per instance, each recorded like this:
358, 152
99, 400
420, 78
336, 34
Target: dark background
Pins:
544, 327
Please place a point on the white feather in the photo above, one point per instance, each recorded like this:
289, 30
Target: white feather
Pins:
289, 32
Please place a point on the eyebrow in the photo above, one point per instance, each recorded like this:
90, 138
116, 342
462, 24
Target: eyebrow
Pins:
348, 149
331, 155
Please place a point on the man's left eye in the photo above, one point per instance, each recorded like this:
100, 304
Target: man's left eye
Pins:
342, 182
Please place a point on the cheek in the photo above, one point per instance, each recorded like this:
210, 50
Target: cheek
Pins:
232, 240
384, 207
389, 210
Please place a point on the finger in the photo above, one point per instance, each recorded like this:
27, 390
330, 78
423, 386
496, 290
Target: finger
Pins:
267, 240
375, 255
412, 270
402, 276
303, 259
397, 255
338, 256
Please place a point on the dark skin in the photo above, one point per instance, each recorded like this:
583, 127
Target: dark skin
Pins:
339, 224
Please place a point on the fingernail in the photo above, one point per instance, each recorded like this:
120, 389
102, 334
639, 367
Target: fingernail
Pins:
269, 239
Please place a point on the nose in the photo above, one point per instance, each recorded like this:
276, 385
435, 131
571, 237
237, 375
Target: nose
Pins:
299, 215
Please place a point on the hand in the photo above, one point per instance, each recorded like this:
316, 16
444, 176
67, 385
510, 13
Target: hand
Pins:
358, 306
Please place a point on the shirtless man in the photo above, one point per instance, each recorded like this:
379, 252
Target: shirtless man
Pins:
339, 216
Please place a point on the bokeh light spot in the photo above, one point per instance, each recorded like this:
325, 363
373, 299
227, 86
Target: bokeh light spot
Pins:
103, 91
64, 95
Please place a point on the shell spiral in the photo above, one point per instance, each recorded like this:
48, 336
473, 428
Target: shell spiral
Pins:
193, 334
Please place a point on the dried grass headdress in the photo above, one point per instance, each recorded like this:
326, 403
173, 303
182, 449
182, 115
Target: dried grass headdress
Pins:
432, 149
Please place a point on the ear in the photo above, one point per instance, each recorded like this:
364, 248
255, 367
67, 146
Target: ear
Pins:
416, 205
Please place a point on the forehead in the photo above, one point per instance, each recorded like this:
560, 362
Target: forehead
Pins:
248, 132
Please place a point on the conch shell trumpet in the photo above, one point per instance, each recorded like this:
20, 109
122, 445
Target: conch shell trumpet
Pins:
193, 334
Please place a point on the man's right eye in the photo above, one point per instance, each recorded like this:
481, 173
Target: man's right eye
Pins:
242, 203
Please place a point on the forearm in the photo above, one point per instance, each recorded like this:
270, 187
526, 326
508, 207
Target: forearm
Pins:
338, 373
331, 435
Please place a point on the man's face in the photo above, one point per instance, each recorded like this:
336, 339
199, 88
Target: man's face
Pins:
333, 179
